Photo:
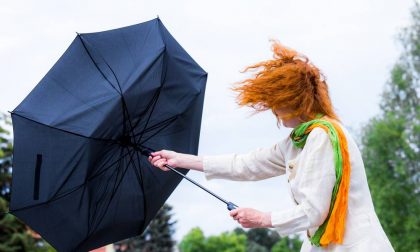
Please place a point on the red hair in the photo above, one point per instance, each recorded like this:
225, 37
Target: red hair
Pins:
288, 81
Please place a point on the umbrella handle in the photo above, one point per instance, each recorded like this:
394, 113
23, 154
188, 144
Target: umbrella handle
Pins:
231, 206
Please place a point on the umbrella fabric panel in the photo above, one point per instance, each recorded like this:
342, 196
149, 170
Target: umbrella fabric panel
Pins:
48, 161
76, 87
128, 51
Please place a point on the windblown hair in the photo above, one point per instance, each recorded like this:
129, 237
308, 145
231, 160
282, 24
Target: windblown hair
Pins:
289, 81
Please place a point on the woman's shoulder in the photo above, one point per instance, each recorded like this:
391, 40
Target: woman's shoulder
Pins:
321, 133
337, 125
286, 147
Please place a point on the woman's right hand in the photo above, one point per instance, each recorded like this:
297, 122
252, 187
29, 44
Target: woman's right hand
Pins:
163, 157
175, 159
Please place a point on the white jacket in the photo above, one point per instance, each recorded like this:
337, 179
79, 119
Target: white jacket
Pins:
311, 176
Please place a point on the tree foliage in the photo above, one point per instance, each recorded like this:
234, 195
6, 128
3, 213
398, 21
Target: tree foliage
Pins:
390, 146
287, 244
6, 149
195, 241
253, 240
263, 237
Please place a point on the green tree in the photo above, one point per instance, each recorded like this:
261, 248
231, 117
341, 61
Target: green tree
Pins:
259, 239
253, 240
226, 242
15, 236
6, 149
255, 247
156, 237
195, 241
263, 237
287, 244
390, 146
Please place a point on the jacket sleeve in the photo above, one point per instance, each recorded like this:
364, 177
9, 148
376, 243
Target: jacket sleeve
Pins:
259, 164
314, 182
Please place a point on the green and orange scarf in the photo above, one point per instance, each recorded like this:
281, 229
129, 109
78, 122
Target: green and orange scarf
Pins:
332, 230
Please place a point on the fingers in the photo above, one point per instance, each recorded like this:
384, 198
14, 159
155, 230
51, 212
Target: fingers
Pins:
156, 158
158, 161
247, 217
234, 212
164, 157
153, 160
156, 153
162, 153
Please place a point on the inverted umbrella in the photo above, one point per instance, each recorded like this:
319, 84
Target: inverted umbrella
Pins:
81, 177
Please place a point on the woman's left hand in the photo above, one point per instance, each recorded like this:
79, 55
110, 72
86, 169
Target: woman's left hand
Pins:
251, 218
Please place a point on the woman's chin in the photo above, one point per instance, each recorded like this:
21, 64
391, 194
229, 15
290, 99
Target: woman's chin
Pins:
290, 124
287, 125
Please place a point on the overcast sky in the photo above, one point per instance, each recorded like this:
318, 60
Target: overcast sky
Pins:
352, 42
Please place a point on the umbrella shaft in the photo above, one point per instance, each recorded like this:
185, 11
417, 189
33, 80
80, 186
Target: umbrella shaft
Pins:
195, 183
147, 152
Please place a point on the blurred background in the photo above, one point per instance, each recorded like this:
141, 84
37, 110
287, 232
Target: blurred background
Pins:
369, 51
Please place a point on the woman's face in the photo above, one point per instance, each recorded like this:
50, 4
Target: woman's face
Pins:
289, 123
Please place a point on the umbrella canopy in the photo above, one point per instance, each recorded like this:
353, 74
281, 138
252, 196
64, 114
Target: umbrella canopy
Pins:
79, 178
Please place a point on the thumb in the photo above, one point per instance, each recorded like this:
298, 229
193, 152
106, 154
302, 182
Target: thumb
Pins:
233, 212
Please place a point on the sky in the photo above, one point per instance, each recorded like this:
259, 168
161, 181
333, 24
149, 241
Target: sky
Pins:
354, 43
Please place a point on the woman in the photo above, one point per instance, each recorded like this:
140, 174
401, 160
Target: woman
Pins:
324, 166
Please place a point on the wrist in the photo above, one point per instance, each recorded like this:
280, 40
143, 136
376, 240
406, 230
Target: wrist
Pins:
267, 220
189, 161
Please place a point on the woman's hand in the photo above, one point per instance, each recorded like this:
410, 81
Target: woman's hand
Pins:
163, 157
251, 218
175, 159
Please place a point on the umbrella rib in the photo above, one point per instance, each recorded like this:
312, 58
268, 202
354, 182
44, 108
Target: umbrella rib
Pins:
94, 62
156, 93
72, 171
92, 220
105, 164
114, 192
66, 131
126, 115
48, 201
154, 176
141, 184
157, 125
150, 115
147, 107
106, 63
154, 134
162, 78
107, 168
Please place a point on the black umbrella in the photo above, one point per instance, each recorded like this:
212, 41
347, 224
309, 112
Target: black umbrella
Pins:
82, 136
